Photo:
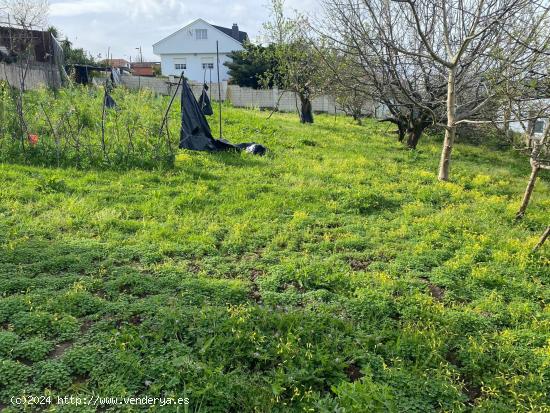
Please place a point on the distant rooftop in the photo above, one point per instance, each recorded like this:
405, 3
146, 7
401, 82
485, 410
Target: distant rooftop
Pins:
240, 37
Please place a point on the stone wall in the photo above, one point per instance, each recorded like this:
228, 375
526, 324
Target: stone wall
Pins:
37, 75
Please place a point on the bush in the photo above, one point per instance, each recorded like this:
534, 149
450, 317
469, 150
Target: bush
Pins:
64, 128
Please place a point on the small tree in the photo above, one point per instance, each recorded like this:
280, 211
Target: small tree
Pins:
521, 83
25, 15
344, 81
298, 68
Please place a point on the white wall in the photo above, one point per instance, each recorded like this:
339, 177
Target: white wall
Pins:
194, 70
184, 44
517, 127
245, 97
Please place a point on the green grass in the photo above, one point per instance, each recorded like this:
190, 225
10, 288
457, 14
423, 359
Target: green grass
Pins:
333, 275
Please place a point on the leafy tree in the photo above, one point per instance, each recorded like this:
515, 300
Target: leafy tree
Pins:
75, 56
248, 67
72, 55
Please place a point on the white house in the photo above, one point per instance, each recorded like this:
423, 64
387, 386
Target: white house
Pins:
193, 50
539, 125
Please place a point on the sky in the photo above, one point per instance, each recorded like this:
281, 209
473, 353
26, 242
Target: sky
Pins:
124, 25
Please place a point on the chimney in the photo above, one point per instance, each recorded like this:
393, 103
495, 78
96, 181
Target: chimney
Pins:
235, 31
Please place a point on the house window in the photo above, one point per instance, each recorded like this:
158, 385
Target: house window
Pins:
539, 126
207, 63
180, 64
200, 34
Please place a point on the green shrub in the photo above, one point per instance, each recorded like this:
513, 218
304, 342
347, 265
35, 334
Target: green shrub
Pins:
8, 342
51, 374
68, 124
34, 349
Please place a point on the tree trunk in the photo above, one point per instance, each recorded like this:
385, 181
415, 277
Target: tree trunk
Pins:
507, 131
401, 129
414, 134
412, 139
306, 113
543, 238
529, 190
357, 117
450, 131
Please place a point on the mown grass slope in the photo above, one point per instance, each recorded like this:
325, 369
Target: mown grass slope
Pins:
334, 274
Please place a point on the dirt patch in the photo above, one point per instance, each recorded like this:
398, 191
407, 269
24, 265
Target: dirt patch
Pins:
60, 349
135, 320
354, 372
194, 267
300, 288
254, 293
101, 294
360, 265
86, 325
473, 393
436, 292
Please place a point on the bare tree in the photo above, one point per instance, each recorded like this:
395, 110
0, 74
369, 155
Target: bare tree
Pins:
26, 13
23, 16
431, 59
522, 84
539, 159
459, 35
409, 85
343, 79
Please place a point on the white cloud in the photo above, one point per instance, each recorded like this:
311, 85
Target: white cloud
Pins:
129, 8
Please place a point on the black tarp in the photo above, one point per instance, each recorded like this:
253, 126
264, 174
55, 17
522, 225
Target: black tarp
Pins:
204, 101
109, 101
195, 133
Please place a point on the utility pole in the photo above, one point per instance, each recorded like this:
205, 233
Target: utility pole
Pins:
219, 86
140, 54
141, 61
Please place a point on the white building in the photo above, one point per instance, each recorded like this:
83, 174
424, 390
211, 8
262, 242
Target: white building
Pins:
531, 108
193, 50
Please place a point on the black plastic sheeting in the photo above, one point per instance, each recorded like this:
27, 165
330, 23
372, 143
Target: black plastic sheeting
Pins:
109, 101
195, 133
204, 101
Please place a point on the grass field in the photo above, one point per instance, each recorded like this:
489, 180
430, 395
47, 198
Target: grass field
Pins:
333, 275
